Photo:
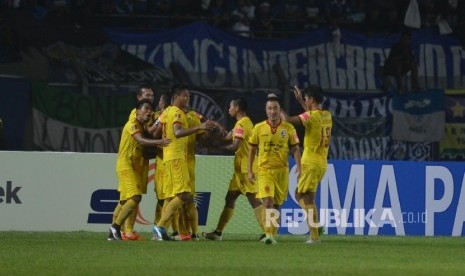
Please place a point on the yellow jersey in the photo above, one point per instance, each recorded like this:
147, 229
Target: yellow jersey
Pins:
242, 130
130, 151
273, 143
318, 124
177, 149
193, 120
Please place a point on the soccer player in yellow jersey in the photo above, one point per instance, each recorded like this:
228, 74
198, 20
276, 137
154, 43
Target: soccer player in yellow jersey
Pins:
318, 124
175, 127
128, 233
130, 162
239, 184
163, 103
274, 139
186, 219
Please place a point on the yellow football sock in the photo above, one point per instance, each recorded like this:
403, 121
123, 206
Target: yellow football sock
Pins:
126, 210
259, 216
175, 221
130, 221
275, 231
116, 212
303, 205
270, 228
193, 215
168, 212
184, 227
312, 219
225, 217
158, 209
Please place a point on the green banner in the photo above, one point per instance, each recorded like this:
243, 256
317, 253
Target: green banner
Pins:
80, 110
64, 121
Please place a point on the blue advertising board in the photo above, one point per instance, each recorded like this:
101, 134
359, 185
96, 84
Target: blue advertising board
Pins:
384, 198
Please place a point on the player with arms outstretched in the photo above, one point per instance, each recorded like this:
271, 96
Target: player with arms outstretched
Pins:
318, 124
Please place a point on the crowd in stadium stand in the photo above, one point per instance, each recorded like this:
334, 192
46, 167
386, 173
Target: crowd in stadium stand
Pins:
254, 18
45, 20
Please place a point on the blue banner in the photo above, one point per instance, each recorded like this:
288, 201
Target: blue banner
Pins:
385, 198
210, 57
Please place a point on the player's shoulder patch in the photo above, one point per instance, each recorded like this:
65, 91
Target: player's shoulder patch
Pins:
305, 116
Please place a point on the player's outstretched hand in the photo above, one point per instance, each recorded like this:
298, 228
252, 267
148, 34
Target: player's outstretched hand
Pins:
164, 142
298, 94
208, 125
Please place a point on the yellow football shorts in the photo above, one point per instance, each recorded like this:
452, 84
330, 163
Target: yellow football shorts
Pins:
130, 184
177, 176
239, 182
310, 177
160, 180
273, 183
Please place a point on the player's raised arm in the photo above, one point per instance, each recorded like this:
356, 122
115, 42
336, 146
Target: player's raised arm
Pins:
299, 97
295, 120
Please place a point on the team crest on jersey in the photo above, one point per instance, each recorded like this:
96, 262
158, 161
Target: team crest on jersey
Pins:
283, 133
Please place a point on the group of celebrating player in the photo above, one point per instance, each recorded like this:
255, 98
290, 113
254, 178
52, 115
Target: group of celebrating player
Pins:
261, 170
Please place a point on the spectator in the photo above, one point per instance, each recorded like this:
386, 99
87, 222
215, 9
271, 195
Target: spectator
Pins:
312, 14
240, 24
292, 15
336, 11
218, 13
263, 26
246, 7
401, 61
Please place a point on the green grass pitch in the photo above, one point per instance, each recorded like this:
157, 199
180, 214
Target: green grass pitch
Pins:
89, 253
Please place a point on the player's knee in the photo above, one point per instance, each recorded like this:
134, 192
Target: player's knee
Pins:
254, 202
185, 197
268, 202
137, 198
230, 199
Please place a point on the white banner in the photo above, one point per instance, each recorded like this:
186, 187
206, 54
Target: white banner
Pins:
55, 191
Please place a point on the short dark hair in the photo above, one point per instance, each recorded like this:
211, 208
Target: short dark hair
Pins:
272, 97
141, 103
141, 88
176, 90
240, 102
315, 92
